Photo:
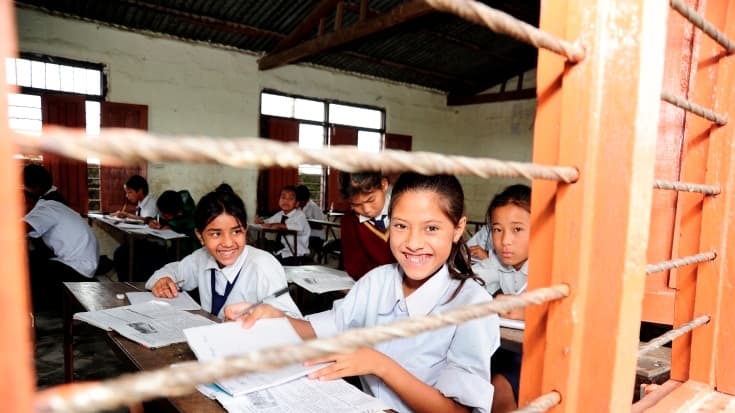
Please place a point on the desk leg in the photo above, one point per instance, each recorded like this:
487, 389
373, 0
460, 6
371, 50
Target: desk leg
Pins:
68, 340
131, 248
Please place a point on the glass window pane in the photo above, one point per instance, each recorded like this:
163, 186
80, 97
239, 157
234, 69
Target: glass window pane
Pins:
23, 72
309, 110
18, 99
368, 141
312, 137
94, 82
355, 116
53, 82
92, 111
276, 105
38, 74
10, 70
29, 126
80, 80
67, 78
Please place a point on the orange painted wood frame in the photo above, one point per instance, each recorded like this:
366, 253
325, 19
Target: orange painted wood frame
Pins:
713, 357
607, 127
17, 378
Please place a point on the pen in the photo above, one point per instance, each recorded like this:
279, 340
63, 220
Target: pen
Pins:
276, 294
179, 284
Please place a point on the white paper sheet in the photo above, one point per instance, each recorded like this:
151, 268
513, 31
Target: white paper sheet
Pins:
511, 323
183, 301
153, 324
231, 339
318, 279
304, 396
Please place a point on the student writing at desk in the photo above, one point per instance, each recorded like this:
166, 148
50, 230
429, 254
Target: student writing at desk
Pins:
445, 370
504, 267
225, 270
364, 229
293, 218
67, 251
177, 214
136, 192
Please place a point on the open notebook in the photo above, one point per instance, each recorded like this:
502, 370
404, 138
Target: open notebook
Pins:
231, 339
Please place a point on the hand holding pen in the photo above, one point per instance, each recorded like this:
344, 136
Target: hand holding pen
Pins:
254, 311
167, 287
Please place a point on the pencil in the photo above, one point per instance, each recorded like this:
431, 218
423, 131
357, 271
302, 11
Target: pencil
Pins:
275, 294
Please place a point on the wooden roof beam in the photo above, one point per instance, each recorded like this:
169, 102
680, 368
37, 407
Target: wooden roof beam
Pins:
396, 16
307, 25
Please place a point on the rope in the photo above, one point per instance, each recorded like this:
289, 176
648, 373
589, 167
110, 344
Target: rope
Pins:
680, 262
115, 146
672, 334
506, 24
171, 382
689, 106
707, 27
541, 403
687, 187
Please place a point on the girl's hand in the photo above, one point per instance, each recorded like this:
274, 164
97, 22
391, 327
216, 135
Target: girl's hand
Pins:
154, 224
165, 287
478, 252
259, 220
360, 362
235, 312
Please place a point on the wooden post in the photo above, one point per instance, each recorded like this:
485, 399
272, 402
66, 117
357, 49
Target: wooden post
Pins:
17, 377
607, 124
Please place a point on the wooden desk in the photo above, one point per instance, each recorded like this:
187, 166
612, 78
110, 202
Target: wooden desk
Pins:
91, 296
260, 230
126, 236
330, 227
334, 216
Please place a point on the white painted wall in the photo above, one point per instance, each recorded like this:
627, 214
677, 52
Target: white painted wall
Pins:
198, 89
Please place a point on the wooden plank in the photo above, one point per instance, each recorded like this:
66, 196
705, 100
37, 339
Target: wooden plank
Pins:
685, 398
17, 378
598, 237
713, 357
398, 15
307, 25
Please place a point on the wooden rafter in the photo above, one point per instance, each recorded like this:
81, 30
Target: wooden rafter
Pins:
398, 15
307, 25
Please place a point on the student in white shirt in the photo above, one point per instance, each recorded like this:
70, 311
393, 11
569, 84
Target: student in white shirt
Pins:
225, 270
71, 249
445, 370
504, 268
136, 192
289, 217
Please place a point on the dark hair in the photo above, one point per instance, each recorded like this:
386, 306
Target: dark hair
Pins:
351, 184
452, 204
215, 204
518, 194
289, 188
170, 202
224, 187
136, 183
36, 177
302, 193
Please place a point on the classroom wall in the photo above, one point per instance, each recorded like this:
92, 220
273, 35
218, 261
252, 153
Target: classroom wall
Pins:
197, 89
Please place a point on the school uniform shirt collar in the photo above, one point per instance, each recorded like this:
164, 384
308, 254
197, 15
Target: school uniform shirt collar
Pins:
383, 212
147, 200
422, 301
230, 272
52, 189
510, 269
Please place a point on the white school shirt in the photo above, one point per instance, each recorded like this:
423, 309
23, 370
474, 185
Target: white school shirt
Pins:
148, 208
312, 211
296, 221
260, 275
500, 277
65, 232
482, 238
455, 360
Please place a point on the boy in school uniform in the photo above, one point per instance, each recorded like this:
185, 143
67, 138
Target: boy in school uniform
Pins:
312, 211
136, 192
177, 213
37, 180
364, 229
289, 217
70, 253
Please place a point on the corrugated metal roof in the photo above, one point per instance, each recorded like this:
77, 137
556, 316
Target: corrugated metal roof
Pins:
437, 51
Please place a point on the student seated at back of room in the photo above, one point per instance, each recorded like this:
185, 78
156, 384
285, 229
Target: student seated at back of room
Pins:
178, 215
136, 192
293, 218
225, 270
504, 268
68, 250
37, 180
312, 211
364, 229
444, 370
